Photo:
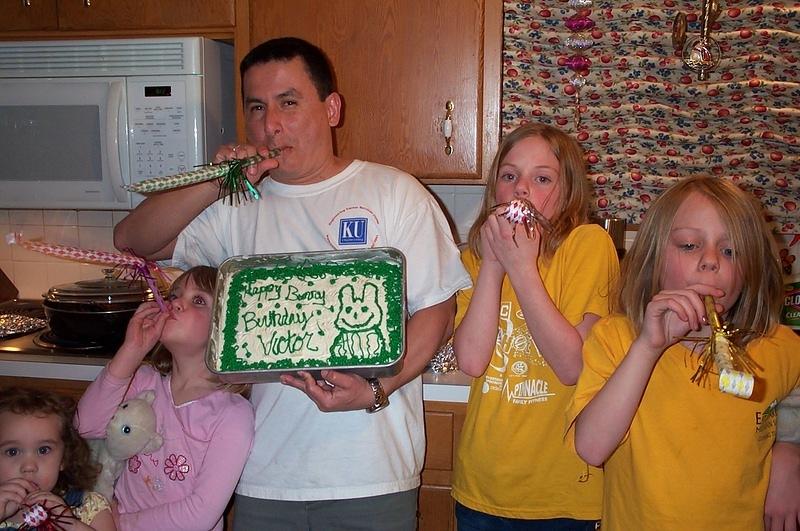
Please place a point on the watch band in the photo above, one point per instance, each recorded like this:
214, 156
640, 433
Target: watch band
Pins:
381, 400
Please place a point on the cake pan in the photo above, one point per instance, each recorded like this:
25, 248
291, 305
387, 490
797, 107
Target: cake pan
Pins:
343, 310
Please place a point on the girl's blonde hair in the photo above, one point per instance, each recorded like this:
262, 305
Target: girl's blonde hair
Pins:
573, 206
79, 470
205, 278
756, 259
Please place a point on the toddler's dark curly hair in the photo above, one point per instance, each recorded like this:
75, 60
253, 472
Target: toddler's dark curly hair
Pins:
79, 470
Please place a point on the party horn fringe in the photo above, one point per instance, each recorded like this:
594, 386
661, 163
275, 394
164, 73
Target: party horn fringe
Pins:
721, 355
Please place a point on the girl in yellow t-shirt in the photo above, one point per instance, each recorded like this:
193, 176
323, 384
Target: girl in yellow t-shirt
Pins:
678, 455
519, 334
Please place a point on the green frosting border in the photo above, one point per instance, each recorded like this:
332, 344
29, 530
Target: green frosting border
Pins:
390, 273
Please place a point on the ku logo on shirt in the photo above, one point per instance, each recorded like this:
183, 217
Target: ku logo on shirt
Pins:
354, 226
353, 231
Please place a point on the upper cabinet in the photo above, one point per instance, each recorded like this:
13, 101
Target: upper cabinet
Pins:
410, 73
28, 15
57, 16
420, 80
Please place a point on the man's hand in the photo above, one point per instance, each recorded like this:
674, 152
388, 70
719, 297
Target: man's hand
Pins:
336, 391
254, 173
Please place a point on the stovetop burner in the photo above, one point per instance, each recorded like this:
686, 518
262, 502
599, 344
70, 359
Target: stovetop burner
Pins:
48, 339
45, 342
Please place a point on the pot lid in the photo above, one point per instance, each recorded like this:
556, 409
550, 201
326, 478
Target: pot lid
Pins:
108, 289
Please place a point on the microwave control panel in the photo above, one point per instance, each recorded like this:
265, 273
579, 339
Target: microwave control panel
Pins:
165, 124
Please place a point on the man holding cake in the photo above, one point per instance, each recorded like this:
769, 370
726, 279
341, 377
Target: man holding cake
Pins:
319, 460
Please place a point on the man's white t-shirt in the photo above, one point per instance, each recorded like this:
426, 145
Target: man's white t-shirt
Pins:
300, 453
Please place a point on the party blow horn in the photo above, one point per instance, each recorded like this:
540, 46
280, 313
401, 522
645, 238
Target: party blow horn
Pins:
230, 173
134, 266
522, 212
720, 352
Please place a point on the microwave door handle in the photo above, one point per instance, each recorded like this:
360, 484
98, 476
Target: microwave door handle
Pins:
112, 140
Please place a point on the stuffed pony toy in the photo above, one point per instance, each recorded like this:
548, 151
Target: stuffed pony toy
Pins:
131, 431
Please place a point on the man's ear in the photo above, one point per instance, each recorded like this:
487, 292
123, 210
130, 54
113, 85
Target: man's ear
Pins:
333, 105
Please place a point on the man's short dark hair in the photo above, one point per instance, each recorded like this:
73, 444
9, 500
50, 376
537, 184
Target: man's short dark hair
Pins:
287, 48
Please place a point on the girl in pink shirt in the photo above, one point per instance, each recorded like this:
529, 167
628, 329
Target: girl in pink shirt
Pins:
207, 426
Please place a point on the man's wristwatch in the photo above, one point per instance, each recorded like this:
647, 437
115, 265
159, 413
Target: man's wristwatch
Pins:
381, 400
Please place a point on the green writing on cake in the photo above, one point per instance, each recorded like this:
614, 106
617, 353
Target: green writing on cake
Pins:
252, 320
270, 292
287, 343
311, 296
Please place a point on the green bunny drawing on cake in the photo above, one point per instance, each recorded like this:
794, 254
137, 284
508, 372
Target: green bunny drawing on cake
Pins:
359, 321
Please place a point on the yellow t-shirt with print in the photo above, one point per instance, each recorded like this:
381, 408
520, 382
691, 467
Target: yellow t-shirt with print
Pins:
93, 503
512, 459
694, 457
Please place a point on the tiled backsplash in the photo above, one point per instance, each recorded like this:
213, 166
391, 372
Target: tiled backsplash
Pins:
34, 273
461, 204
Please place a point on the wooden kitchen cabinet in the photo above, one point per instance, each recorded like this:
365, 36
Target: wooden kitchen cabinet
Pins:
71, 388
144, 14
69, 18
398, 63
443, 422
30, 15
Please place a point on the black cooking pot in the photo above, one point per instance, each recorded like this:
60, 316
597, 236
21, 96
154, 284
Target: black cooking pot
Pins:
94, 311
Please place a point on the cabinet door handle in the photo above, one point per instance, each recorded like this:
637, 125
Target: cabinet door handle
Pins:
447, 127
87, 3
26, 3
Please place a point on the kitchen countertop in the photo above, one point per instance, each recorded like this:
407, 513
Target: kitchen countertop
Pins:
449, 387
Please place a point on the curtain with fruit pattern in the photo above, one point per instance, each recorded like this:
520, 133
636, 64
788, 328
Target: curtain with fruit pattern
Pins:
645, 118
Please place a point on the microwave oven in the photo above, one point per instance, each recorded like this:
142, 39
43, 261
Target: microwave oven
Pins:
80, 119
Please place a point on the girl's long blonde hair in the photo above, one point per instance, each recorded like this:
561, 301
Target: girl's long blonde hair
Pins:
573, 206
205, 278
756, 259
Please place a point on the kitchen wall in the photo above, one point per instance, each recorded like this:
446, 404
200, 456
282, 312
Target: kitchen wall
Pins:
34, 273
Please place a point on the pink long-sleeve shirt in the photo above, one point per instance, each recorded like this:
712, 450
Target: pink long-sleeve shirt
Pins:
186, 483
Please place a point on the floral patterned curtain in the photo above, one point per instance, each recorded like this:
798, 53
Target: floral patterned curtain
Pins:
645, 118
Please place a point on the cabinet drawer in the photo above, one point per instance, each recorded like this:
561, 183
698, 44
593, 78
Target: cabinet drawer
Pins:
436, 509
443, 422
439, 434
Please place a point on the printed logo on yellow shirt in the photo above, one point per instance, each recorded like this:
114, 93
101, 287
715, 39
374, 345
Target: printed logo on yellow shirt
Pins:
527, 391
513, 370
767, 421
